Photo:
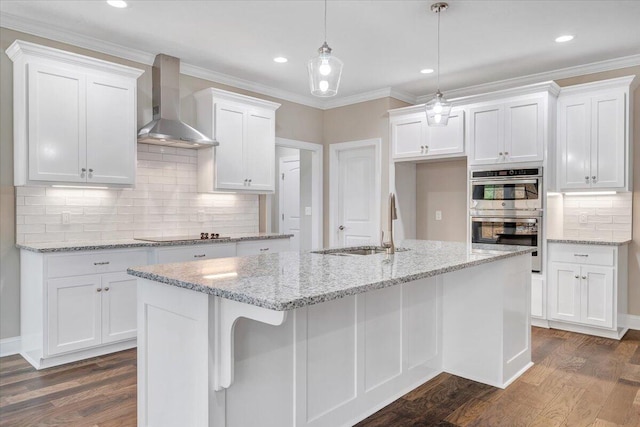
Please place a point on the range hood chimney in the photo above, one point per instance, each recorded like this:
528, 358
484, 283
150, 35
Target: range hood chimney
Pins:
166, 128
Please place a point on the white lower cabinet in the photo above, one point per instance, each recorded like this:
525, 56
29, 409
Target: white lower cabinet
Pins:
588, 288
76, 305
194, 252
537, 296
255, 247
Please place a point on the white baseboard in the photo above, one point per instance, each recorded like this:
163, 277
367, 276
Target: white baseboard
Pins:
631, 321
9, 346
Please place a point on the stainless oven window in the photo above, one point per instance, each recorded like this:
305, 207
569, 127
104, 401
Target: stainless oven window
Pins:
506, 191
504, 231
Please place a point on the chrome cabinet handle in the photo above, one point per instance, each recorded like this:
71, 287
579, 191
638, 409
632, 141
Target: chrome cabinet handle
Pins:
426, 148
106, 289
582, 255
341, 228
577, 276
199, 256
506, 153
82, 172
584, 277
593, 178
249, 181
101, 263
264, 249
500, 153
586, 179
99, 290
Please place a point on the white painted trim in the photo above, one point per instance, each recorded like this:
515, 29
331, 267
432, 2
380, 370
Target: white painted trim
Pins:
60, 34
334, 149
317, 217
9, 346
281, 162
631, 321
562, 73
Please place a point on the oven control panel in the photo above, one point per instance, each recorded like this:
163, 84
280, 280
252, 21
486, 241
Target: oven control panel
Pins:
506, 173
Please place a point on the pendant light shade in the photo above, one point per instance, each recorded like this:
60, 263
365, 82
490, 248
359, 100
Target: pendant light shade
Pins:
325, 69
439, 108
324, 72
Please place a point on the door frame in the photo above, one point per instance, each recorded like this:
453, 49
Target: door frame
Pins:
334, 164
281, 162
316, 184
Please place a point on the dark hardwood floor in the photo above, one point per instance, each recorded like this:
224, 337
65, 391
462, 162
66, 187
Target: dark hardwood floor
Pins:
577, 380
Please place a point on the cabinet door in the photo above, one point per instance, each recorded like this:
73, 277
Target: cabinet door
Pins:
487, 135
408, 136
255, 247
524, 131
111, 130
447, 139
195, 252
230, 133
119, 318
537, 296
608, 141
57, 118
574, 136
73, 313
260, 150
597, 296
564, 292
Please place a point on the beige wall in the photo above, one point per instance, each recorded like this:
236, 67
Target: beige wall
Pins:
365, 120
293, 121
442, 186
634, 247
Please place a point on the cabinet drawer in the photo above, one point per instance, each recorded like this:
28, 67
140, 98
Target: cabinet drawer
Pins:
94, 262
582, 254
255, 247
195, 252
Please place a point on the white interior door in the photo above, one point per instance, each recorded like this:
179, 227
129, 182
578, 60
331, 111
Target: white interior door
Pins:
290, 199
356, 194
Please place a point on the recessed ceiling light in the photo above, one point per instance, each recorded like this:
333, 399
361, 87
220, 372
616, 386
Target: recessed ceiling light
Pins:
564, 38
280, 59
426, 70
120, 4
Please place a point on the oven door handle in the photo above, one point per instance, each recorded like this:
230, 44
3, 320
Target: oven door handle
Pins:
527, 220
506, 181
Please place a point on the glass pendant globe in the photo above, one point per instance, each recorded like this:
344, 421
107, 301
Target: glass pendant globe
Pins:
438, 110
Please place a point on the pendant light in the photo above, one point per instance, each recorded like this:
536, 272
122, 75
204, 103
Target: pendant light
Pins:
325, 69
438, 109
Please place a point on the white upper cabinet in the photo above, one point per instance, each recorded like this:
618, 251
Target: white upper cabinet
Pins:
413, 139
594, 134
245, 129
74, 118
512, 131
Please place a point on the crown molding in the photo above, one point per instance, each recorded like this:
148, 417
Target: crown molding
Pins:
562, 73
53, 32
206, 74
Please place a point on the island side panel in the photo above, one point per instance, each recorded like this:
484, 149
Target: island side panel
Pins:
173, 356
486, 325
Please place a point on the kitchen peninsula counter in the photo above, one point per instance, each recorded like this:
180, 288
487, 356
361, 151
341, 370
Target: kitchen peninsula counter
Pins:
321, 339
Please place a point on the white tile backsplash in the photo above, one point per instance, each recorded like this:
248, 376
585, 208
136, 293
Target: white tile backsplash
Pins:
163, 203
608, 216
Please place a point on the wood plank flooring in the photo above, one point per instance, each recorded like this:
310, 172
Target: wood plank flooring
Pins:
577, 380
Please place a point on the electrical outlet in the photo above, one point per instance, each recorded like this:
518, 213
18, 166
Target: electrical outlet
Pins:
66, 218
583, 218
438, 215
307, 210
201, 217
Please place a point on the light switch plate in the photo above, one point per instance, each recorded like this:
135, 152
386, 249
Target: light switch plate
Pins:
583, 218
438, 215
66, 218
307, 210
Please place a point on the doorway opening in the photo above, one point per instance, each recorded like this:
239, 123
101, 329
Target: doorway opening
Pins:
296, 205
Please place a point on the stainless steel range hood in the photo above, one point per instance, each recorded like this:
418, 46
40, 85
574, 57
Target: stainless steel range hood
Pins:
166, 128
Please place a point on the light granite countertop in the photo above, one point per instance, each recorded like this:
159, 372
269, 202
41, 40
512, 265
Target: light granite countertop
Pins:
583, 241
288, 280
132, 243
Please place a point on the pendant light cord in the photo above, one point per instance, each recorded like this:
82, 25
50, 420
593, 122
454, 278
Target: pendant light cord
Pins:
325, 21
439, 10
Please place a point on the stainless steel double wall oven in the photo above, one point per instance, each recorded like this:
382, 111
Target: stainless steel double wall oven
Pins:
506, 209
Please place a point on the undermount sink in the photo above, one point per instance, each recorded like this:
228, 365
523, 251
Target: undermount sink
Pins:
360, 250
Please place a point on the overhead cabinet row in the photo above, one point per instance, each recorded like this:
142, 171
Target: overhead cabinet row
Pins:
582, 133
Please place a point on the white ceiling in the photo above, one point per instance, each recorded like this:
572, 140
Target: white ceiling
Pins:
383, 44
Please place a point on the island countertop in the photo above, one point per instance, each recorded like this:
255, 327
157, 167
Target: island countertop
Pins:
288, 280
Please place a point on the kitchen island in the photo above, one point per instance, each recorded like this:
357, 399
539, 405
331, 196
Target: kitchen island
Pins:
325, 339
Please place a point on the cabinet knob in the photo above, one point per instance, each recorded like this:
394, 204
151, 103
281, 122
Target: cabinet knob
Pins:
586, 178
99, 290
341, 228
106, 289
577, 276
593, 178
584, 277
426, 148
500, 153
506, 153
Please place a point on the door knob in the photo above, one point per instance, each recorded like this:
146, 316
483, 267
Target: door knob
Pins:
341, 228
